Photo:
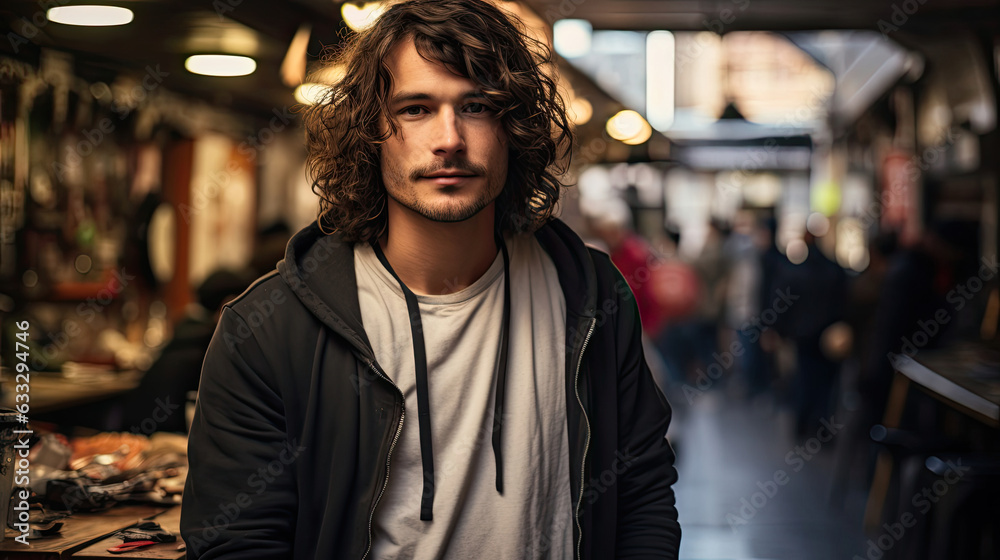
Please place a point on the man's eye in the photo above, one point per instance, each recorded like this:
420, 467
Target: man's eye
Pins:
477, 107
412, 111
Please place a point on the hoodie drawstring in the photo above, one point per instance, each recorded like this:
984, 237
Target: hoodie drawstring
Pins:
420, 364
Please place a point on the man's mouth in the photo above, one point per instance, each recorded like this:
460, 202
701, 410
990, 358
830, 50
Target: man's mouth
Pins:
448, 173
449, 177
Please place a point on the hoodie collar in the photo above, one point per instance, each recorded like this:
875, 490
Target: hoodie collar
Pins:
319, 268
577, 274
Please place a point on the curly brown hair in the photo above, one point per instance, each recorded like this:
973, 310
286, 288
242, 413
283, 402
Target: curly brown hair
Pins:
480, 42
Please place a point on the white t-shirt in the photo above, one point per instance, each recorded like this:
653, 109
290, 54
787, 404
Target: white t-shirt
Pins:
533, 518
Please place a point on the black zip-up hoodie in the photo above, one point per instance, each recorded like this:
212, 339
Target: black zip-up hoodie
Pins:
293, 433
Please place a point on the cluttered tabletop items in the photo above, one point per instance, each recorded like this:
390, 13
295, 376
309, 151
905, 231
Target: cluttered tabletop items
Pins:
101, 496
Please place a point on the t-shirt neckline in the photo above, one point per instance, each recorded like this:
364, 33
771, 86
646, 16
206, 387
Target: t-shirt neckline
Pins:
491, 276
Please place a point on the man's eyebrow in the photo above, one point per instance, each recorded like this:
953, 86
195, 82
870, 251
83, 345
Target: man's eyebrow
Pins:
416, 96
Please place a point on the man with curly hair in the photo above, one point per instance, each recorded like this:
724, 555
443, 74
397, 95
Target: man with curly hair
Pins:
438, 367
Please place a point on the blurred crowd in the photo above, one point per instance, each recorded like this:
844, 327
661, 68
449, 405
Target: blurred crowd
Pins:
791, 329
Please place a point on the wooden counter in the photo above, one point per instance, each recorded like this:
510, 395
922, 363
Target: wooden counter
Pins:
50, 392
82, 530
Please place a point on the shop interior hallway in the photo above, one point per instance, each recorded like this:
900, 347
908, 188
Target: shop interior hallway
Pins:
747, 492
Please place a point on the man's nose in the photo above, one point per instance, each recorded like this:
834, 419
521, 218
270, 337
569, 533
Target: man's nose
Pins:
449, 137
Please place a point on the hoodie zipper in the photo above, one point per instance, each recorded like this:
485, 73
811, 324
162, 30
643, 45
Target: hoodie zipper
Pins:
399, 430
586, 446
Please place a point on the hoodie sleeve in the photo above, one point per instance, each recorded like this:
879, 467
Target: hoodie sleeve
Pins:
239, 498
647, 516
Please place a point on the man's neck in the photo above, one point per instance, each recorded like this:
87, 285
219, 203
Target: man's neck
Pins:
435, 258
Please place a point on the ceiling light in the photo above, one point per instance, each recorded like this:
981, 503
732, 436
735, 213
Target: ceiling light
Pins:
580, 111
629, 127
644, 134
359, 17
624, 124
90, 16
571, 37
311, 93
220, 65
660, 79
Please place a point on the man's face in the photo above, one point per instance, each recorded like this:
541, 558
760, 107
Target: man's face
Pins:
448, 158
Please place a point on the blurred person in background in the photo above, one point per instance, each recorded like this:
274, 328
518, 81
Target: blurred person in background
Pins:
814, 294
918, 282
633, 256
162, 392
666, 292
676, 289
712, 266
743, 301
270, 247
612, 223
863, 300
680, 289
439, 367
771, 261
690, 344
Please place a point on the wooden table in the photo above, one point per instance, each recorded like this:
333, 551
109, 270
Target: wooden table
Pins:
84, 529
171, 521
958, 379
966, 378
51, 392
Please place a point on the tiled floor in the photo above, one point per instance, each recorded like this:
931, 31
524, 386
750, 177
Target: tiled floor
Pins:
730, 507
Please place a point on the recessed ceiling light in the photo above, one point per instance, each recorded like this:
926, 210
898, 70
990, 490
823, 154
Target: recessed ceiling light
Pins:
90, 16
220, 65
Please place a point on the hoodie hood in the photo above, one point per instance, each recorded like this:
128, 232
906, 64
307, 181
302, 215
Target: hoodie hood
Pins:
319, 269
